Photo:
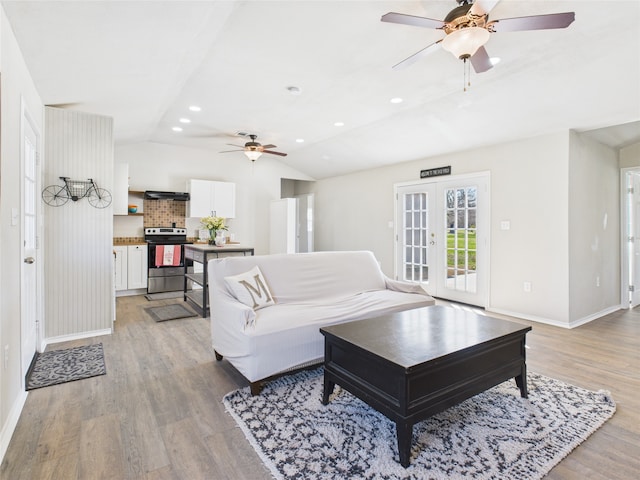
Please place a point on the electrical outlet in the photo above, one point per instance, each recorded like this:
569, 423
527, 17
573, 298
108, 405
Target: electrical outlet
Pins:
598, 281
526, 286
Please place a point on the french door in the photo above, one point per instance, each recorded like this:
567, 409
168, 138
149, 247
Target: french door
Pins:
442, 237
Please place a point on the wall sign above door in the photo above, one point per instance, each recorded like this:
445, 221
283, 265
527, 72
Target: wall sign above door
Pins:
435, 172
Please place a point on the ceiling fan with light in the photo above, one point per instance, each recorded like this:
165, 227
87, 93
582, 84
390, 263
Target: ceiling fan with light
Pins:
468, 28
253, 149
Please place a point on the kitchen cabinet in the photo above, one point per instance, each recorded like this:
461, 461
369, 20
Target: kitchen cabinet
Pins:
136, 266
198, 296
120, 277
211, 198
130, 267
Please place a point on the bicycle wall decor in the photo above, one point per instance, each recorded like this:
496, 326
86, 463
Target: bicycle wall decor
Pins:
58, 195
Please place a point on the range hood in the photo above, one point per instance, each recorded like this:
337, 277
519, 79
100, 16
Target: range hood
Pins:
155, 195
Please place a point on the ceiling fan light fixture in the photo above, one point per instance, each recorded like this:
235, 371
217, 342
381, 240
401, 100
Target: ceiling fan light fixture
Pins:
465, 42
253, 155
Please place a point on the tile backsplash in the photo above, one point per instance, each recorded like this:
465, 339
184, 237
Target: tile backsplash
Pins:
164, 213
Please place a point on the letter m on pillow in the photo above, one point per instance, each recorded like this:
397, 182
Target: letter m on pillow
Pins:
257, 291
251, 289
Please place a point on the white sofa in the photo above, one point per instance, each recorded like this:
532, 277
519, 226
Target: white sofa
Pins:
309, 290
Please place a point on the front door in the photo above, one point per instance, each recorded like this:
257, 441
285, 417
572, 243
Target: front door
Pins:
29, 274
443, 237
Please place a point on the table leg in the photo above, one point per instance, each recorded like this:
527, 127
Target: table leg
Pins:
521, 382
404, 432
327, 390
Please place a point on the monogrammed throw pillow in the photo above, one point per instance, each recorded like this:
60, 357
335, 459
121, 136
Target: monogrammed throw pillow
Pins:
250, 288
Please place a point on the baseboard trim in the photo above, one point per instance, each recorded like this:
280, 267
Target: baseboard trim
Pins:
556, 323
12, 421
75, 336
594, 316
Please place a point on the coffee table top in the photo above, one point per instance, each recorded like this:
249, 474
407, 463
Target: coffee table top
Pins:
416, 336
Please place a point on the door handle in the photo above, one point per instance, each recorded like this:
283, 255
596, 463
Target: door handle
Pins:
29, 260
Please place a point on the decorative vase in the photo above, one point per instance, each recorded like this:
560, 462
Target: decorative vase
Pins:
219, 239
212, 236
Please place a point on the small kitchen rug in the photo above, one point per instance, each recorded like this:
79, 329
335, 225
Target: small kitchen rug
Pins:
169, 312
68, 365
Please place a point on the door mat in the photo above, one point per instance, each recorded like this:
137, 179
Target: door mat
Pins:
494, 435
169, 312
163, 295
68, 365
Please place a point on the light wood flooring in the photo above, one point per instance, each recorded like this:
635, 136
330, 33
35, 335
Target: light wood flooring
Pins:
158, 414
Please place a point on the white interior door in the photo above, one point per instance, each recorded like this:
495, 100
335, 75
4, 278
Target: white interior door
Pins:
29, 274
304, 223
631, 238
442, 238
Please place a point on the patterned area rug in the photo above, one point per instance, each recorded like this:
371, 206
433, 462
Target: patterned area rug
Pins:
169, 312
69, 365
495, 434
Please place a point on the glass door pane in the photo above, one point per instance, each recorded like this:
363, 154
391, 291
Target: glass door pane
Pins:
461, 228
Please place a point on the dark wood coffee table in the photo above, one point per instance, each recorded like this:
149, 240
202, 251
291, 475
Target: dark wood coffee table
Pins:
414, 364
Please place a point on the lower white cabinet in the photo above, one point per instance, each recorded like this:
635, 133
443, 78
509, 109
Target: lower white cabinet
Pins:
120, 277
130, 267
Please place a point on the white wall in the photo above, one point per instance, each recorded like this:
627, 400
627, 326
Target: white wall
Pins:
78, 245
630, 156
529, 187
594, 229
16, 86
155, 166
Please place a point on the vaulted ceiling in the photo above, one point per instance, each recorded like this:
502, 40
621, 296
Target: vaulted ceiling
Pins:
145, 62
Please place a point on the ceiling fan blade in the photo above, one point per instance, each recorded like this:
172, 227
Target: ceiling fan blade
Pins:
274, 153
417, 56
63, 105
228, 151
482, 7
536, 22
268, 146
481, 61
404, 19
234, 145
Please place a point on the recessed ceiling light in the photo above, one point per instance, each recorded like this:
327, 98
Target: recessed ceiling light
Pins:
339, 124
177, 129
185, 120
294, 90
494, 60
299, 140
194, 108
396, 100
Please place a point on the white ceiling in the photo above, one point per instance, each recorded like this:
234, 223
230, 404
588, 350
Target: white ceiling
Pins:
144, 62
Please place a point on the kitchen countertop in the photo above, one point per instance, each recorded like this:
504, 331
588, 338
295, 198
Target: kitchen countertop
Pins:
204, 247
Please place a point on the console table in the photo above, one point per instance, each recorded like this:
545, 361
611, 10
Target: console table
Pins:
197, 298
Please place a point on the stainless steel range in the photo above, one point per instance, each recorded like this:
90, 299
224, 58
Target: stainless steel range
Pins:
166, 258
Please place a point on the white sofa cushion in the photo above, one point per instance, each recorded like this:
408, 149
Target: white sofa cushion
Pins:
306, 277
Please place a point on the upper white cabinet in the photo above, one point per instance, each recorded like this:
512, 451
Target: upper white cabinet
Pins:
210, 198
120, 188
